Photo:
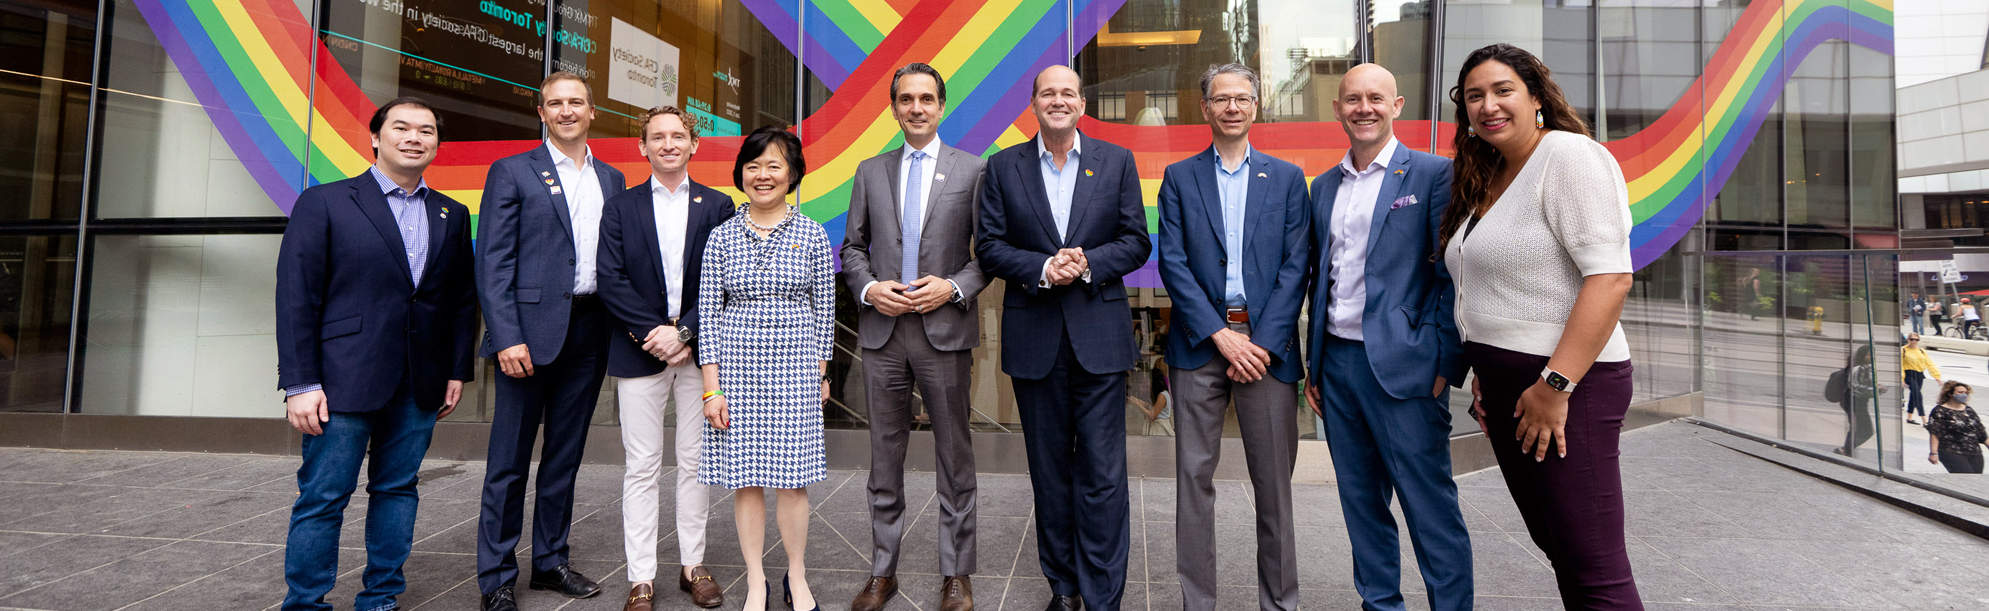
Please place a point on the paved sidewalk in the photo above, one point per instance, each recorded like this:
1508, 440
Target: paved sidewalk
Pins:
1712, 529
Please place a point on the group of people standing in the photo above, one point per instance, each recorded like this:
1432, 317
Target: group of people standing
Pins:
1512, 261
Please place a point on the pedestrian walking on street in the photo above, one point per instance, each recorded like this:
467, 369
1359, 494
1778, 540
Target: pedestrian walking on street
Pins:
1955, 432
1917, 366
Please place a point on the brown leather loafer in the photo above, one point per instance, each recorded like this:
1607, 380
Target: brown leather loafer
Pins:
640, 598
875, 593
956, 594
704, 590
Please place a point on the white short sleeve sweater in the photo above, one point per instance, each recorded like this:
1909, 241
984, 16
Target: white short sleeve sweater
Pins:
1518, 271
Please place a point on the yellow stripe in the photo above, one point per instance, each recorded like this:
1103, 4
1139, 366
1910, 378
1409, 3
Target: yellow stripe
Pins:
982, 26
878, 13
343, 156
273, 73
842, 168
1687, 151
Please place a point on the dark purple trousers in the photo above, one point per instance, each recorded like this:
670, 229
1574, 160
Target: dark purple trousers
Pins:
1573, 506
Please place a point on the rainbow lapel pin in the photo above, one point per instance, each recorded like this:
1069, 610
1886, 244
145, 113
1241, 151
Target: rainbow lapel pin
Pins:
1263, 175
1398, 172
545, 173
445, 213
1087, 172
939, 178
697, 200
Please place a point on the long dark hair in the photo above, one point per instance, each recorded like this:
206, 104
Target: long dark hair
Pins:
1477, 162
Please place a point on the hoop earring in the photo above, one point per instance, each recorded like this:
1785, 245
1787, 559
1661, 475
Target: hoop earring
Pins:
1470, 131
1539, 120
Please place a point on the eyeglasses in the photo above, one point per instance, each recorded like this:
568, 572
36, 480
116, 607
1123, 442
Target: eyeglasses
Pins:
1241, 101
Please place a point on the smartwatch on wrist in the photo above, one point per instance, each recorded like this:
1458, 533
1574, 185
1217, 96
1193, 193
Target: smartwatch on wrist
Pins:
1556, 381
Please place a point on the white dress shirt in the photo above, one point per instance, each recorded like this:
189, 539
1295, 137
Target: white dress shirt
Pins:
582, 188
1353, 215
673, 215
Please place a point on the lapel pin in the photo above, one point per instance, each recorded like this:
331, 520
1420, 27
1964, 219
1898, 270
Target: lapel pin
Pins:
697, 200
1398, 172
549, 181
1263, 175
1087, 172
445, 213
939, 178
545, 173
555, 190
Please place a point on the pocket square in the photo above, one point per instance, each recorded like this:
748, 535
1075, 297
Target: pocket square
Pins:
1404, 201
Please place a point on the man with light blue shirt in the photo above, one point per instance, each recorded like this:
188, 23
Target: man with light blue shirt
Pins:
375, 323
1233, 255
1062, 222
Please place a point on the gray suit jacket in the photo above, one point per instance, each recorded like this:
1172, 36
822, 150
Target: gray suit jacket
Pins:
873, 244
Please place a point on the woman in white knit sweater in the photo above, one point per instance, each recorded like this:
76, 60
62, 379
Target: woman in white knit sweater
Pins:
1537, 242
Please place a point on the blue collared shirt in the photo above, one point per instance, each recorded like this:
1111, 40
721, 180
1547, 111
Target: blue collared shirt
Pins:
1060, 185
1233, 186
410, 212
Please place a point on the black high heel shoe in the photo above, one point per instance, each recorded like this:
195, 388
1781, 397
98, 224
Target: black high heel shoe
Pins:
787, 594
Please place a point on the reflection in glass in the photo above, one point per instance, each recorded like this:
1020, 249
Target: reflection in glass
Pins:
1401, 37
1555, 30
182, 326
37, 288
44, 103
1816, 168
479, 63
1650, 57
1873, 182
168, 157
715, 59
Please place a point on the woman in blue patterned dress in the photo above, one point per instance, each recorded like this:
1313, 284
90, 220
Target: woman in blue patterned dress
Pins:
768, 306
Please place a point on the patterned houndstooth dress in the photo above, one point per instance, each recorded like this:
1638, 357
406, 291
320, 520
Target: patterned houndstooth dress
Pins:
768, 321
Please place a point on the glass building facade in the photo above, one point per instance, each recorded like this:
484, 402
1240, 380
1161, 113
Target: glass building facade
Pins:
150, 149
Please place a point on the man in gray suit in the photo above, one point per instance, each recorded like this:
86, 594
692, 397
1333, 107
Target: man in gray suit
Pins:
908, 253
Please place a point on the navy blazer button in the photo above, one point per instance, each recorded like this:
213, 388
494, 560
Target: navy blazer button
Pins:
569, 262
566, 295
1223, 262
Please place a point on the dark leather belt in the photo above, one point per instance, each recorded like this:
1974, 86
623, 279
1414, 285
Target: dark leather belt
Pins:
1237, 315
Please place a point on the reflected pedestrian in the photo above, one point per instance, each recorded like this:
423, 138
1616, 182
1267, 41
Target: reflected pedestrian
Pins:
1917, 366
1856, 399
1955, 433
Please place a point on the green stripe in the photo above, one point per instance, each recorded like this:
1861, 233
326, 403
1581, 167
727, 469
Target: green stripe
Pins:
851, 23
258, 89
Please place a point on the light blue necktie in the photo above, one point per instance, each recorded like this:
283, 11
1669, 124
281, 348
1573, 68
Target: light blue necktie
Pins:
908, 267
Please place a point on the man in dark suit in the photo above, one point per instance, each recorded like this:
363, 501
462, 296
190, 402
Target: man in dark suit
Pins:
1233, 255
1384, 346
375, 323
908, 254
540, 225
652, 250
1063, 223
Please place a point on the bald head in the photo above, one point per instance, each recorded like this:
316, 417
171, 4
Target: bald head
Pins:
1367, 107
1055, 73
1368, 77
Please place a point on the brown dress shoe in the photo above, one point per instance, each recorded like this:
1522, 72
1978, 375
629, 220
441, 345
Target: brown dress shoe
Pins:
875, 593
640, 598
956, 594
703, 589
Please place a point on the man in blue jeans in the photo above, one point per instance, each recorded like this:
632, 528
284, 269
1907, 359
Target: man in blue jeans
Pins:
375, 316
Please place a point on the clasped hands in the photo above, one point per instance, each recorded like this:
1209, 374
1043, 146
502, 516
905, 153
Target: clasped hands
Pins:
1067, 266
1247, 362
664, 344
893, 298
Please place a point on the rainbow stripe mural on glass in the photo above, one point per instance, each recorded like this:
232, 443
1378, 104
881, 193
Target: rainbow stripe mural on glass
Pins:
248, 63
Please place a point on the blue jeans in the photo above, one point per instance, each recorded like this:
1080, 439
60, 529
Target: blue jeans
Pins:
391, 441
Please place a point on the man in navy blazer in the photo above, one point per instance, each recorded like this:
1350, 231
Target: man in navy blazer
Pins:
375, 323
1233, 256
1063, 223
1385, 345
539, 232
652, 249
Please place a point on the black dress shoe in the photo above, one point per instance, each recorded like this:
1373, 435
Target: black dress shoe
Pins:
1059, 602
500, 600
565, 580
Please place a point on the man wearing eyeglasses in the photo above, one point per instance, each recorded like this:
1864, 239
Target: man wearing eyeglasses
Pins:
1233, 254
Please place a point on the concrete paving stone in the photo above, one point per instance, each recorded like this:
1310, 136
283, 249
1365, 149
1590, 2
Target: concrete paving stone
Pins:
245, 476
65, 556
254, 584
221, 509
1009, 496
95, 516
166, 473
1496, 505
595, 535
1501, 566
69, 466
1661, 513
1167, 597
1757, 572
1660, 579
1232, 501
1903, 573
1771, 515
996, 539
12, 543
1325, 559
1519, 603
129, 579
1316, 505
27, 500
1686, 474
